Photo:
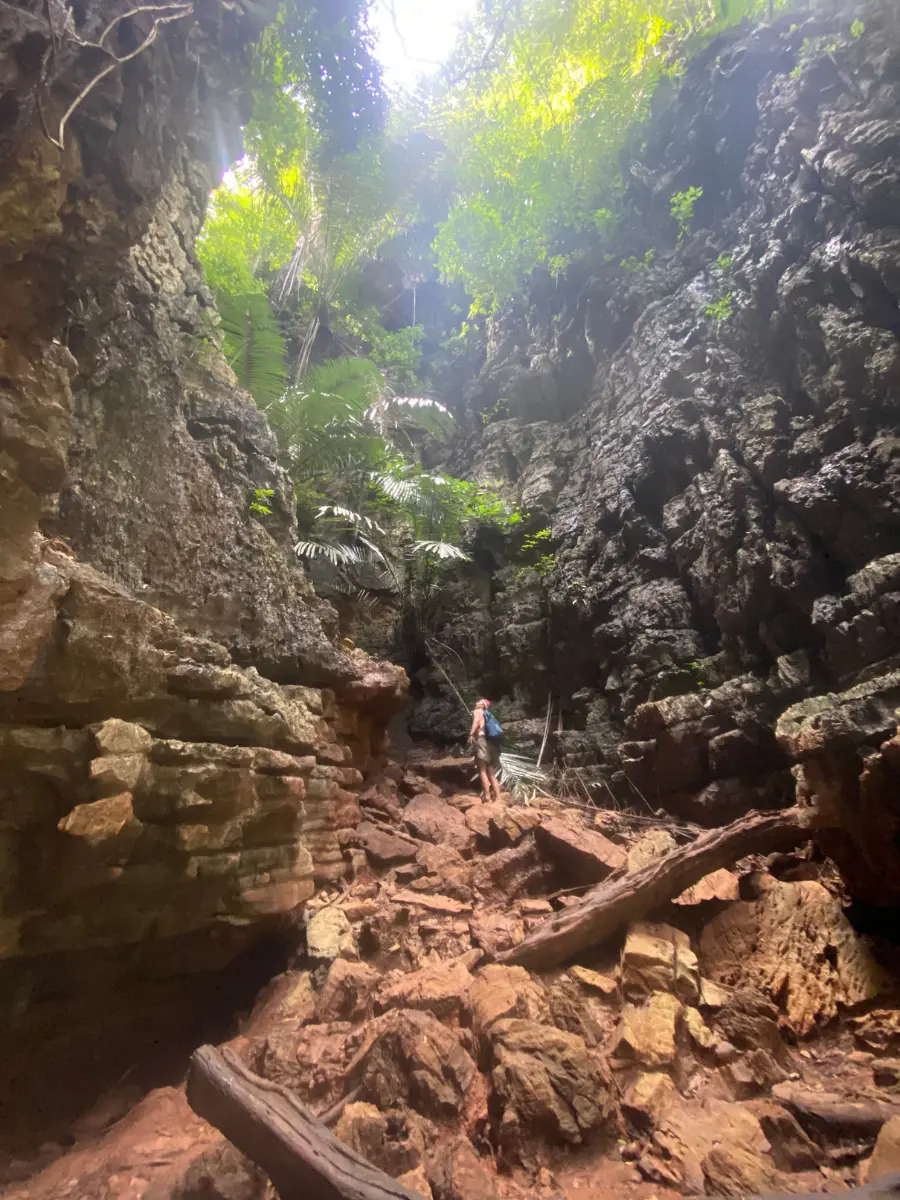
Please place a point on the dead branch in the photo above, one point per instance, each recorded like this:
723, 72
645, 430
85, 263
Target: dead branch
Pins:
613, 904
303, 1159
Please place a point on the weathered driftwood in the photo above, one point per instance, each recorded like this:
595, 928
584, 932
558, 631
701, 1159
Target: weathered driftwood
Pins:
885, 1188
830, 1117
610, 906
303, 1159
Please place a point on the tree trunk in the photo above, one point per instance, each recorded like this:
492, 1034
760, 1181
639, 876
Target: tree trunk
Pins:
267, 1123
830, 1117
611, 905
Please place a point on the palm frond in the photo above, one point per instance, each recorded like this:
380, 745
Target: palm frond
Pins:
411, 412
347, 514
521, 775
359, 381
401, 491
322, 419
372, 601
334, 552
375, 551
441, 550
254, 346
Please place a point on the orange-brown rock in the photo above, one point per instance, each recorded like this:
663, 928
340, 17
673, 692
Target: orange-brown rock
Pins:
547, 1082
793, 942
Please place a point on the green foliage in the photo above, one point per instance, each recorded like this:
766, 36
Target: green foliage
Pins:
497, 412
540, 100
258, 503
535, 541
246, 237
639, 264
254, 346
681, 206
535, 548
721, 310
397, 352
809, 48
695, 671
857, 29
723, 264
321, 421
298, 220
325, 52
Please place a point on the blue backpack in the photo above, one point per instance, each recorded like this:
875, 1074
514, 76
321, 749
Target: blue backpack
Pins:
493, 730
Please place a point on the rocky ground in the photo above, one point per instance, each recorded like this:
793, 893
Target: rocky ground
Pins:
746, 1040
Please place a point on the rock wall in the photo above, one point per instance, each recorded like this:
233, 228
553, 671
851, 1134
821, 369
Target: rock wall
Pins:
710, 429
180, 740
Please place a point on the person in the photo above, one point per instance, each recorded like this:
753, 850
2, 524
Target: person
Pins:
487, 753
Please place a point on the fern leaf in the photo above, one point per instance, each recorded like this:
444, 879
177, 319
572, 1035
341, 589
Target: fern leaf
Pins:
254, 346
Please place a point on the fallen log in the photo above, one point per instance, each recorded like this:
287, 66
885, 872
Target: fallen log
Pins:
611, 905
303, 1159
831, 1117
887, 1187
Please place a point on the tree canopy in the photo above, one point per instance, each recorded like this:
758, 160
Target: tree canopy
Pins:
538, 101
349, 199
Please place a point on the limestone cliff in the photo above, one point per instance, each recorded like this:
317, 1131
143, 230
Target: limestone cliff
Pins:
710, 428
174, 776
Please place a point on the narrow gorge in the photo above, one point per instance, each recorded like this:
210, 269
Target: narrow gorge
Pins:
236, 807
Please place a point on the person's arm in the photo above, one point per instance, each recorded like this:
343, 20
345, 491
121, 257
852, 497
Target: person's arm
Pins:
477, 721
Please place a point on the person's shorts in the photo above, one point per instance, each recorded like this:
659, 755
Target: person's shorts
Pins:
487, 753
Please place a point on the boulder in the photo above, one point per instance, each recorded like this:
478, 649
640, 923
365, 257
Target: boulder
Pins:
886, 1155
435, 859
498, 993
346, 994
546, 1082
434, 820
393, 1140
384, 848
792, 1150
457, 1173
718, 885
648, 964
509, 875
715, 1145
311, 1060
648, 1097
500, 825
697, 1029
648, 847
103, 825
793, 942
878, 1031
658, 958
606, 985
417, 1181
410, 1057
585, 855
329, 935
440, 988
647, 1034
496, 931
122, 737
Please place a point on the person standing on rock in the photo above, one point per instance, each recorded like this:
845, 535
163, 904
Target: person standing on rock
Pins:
485, 737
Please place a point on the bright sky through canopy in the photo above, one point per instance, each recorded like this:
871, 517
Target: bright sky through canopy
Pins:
414, 37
